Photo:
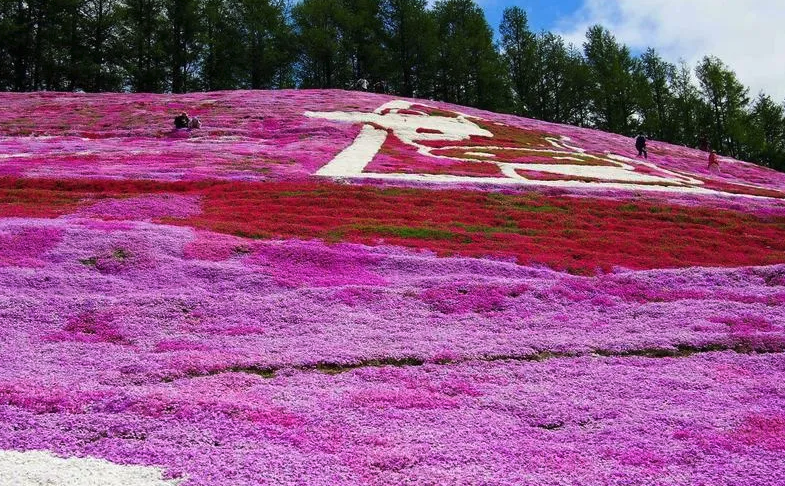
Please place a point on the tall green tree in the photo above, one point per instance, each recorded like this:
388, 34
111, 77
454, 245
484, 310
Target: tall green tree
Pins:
364, 38
26, 35
321, 35
39, 18
180, 43
519, 47
101, 69
66, 50
42, 44
612, 75
687, 126
766, 132
219, 36
560, 84
469, 70
8, 29
266, 44
577, 89
727, 99
657, 98
145, 59
410, 41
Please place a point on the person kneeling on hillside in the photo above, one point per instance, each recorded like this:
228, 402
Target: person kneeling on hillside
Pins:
195, 123
640, 144
181, 121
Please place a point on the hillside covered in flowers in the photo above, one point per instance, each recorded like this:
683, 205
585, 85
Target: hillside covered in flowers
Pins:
342, 288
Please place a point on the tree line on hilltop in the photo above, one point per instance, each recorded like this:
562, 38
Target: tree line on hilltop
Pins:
445, 52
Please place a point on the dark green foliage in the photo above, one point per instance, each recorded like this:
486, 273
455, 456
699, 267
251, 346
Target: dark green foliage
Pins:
562, 84
686, 126
655, 95
180, 39
727, 101
144, 48
323, 43
612, 72
220, 36
266, 44
765, 134
409, 37
520, 47
101, 68
469, 70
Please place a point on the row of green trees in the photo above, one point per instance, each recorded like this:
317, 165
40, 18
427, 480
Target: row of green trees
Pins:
444, 52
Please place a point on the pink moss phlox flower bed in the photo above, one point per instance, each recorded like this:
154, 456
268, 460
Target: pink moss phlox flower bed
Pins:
314, 322
288, 304
577, 421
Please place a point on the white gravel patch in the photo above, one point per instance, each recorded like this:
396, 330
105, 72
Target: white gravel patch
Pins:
42, 468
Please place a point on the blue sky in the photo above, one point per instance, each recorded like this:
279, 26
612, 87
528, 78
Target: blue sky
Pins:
543, 14
748, 35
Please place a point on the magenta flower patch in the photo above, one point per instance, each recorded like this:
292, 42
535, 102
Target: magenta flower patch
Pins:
25, 247
288, 296
144, 208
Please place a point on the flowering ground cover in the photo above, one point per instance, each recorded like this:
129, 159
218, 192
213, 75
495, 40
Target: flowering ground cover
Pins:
577, 235
330, 288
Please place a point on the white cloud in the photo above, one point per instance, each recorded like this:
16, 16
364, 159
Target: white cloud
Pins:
748, 35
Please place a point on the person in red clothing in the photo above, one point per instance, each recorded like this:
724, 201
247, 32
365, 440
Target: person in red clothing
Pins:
714, 164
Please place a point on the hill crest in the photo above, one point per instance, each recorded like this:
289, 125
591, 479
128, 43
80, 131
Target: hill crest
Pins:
296, 135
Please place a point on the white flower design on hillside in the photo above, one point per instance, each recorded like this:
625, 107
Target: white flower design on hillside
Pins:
508, 155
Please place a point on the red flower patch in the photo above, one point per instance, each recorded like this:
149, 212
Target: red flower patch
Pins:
743, 189
398, 158
428, 130
581, 235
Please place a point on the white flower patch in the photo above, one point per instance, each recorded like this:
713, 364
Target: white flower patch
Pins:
17, 155
352, 160
42, 468
414, 127
406, 126
483, 154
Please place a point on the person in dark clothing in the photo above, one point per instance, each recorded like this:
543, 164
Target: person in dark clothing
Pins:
181, 121
640, 144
